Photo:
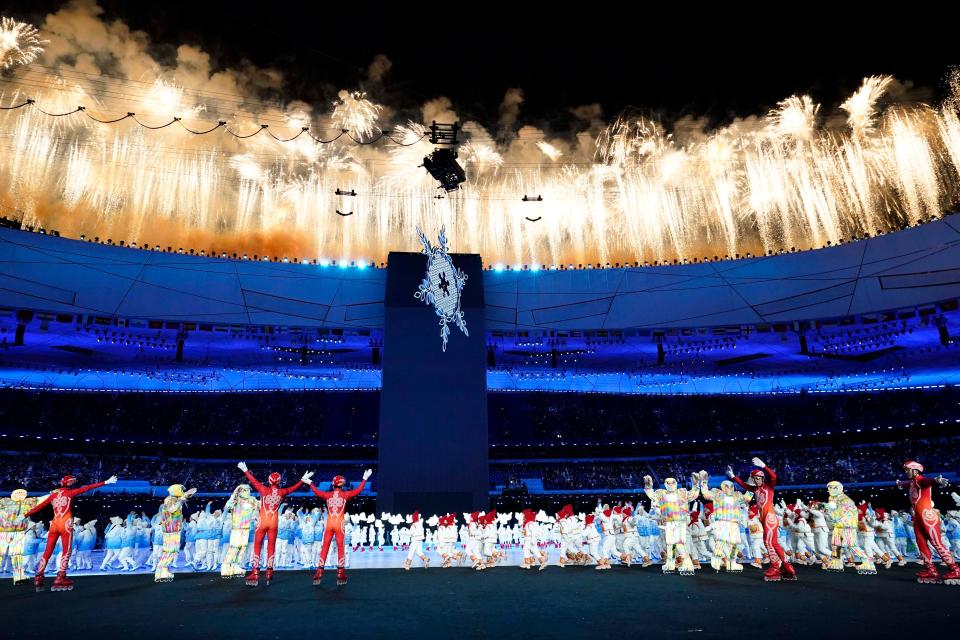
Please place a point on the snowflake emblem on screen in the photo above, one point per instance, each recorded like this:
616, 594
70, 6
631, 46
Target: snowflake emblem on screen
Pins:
442, 285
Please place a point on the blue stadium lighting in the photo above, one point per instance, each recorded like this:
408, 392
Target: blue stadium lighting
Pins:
361, 264
498, 267
535, 267
324, 262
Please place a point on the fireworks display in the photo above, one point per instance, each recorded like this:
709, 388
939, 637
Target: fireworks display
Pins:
19, 43
633, 190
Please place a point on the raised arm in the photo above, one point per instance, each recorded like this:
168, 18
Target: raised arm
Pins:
323, 495
771, 476
648, 489
228, 505
705, 490
735, 478
304, 480
363, 483
40, 505
95, 485
694, 492
291, 488
939, 481
173, 505
253, 481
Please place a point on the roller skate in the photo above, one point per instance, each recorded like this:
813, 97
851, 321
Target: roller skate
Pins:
929, 575
952, 577
788, 572
772, 574
867, 568
686, 567
163, 576
62, 583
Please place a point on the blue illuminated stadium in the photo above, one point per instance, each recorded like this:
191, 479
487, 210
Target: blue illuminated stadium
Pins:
871, 314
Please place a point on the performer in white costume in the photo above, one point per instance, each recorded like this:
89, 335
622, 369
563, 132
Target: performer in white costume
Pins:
475, 540
416, 542
447, 540
884, 528
821, 533
632, 547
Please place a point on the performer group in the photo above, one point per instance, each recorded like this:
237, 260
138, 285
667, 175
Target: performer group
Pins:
685, 529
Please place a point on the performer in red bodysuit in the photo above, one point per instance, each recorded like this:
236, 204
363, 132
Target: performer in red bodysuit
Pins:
61, 527
926, 524
336, 512
762, 484
270, 499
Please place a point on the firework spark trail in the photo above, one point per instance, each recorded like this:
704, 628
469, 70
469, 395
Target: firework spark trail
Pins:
633, 192
355, 113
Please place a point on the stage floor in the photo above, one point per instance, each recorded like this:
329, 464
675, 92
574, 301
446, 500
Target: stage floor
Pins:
369, 558
503, 602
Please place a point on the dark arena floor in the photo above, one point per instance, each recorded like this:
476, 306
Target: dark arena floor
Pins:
498, 603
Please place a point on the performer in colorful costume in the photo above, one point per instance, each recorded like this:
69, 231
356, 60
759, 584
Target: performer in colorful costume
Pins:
61, 528
926, 524
171, 522
336, 511
763, 481
725, 518
13, 528
271, 496
239, 511
844, 514
674, 505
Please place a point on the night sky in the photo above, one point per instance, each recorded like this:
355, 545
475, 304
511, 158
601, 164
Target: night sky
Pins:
676, 61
